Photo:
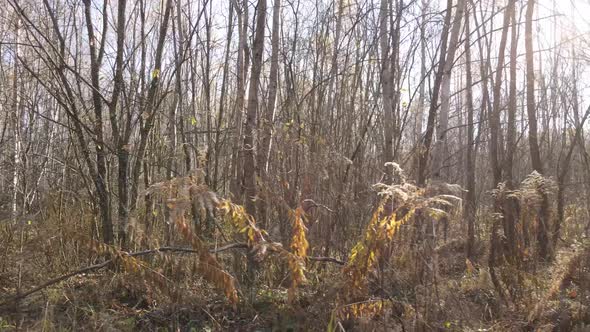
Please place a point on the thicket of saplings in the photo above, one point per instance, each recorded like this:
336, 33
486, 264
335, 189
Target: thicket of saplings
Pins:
196, 261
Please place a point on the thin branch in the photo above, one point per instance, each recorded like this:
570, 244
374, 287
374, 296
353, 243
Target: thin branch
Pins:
327, 260
237, 245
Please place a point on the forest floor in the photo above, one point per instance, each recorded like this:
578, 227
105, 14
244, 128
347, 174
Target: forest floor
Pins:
547, 297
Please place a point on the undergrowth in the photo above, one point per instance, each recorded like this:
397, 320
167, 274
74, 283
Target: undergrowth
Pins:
408, 271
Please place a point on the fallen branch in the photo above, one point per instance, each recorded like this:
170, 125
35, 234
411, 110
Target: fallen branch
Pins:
313, 204
327, 260
21, 296
99, 266
237, 245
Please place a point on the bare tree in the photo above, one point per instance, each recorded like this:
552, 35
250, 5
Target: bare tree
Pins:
443, 122
424, 149
250, 126
470, 204
543, 227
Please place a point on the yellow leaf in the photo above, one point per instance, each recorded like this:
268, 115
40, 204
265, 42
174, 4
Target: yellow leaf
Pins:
155, 74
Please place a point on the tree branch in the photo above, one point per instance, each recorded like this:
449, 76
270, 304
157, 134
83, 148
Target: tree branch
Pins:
237, 245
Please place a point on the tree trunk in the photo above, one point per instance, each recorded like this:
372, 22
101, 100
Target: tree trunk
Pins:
494, 115
386, 83
222, 95
101, 166
151, 104
445, 95
15, 114
563, 172
470, 207
511, 204
543, 227
268, 118
424, 149
242, 65
121, 139
250, 124
423, 77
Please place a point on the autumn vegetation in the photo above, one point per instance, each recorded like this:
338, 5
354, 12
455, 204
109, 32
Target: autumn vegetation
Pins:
294, 165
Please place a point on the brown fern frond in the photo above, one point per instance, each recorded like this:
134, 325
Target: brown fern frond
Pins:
208, 266
364, 309
364, 255
398, 205
126, 262
179, 194
299, 246
369, 309
532, 189
243, 222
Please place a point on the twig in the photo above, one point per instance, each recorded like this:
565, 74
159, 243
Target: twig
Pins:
327, 259
314, 204
237, 245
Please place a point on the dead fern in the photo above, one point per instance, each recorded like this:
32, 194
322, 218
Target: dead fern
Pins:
365, 309
531, 197
243, 222
400, 204
532, 189
299, 245
127, 263
179, 194
523, 214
